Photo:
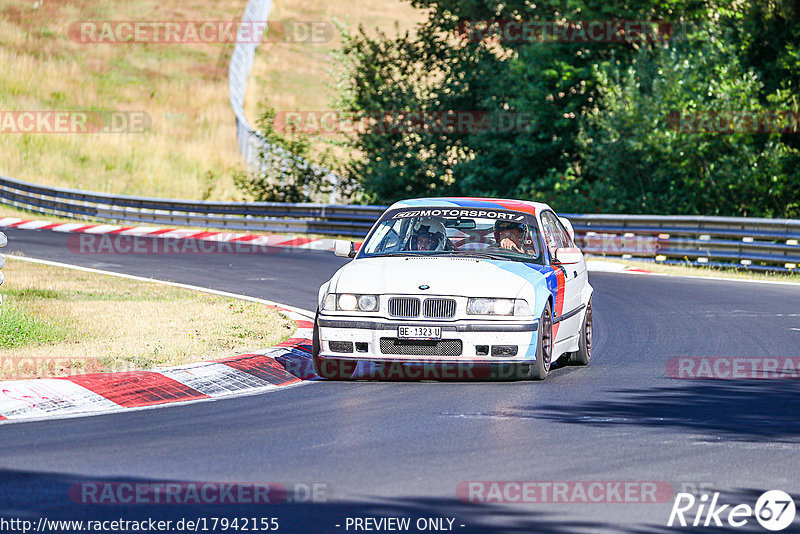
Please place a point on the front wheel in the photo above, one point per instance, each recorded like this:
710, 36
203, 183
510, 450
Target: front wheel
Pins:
544, 346
584, 353
330, 368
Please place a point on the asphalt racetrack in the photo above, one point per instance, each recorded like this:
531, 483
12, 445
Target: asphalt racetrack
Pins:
383, 449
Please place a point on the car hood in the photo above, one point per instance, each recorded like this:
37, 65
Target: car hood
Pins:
444, 276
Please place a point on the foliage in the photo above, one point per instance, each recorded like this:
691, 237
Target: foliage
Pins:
284, 172
597, 134
640, 157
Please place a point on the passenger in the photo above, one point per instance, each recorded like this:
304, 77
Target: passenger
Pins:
511, 236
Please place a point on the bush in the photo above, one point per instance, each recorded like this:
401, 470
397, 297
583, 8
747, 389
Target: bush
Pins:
637, 159
283, 171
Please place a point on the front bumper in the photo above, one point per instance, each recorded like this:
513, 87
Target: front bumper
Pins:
375, 339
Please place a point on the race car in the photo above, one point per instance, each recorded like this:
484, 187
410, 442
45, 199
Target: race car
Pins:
454, 281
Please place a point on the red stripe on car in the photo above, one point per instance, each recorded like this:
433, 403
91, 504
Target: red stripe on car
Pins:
559, 305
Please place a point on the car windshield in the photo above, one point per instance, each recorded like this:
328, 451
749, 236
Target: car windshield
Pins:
492, 234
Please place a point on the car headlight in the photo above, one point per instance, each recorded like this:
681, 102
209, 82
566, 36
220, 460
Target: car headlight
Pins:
347, 302
484, 306
521, 307
350, 302
368, 303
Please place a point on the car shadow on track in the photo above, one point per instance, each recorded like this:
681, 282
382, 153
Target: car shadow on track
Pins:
32, 495
744, 410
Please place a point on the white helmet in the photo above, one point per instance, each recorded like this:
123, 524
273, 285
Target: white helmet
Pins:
432, 229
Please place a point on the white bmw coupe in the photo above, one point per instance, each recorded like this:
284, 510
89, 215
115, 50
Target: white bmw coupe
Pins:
458, 281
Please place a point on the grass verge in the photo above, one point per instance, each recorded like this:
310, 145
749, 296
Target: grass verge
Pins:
57, 321
191, 149
298, 75
692, 270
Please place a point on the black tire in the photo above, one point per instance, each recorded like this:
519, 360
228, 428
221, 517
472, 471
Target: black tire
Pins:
329, 368
539, 369
584, 353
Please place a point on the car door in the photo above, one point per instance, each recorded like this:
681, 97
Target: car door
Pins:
567, 319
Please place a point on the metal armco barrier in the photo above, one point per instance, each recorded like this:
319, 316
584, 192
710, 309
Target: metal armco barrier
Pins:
325, 219
750, 243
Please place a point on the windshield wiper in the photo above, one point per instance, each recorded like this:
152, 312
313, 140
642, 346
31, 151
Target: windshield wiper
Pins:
480, 254
439, 253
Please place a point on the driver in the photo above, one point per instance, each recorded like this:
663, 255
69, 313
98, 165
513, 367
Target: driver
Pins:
509, 235
428, 235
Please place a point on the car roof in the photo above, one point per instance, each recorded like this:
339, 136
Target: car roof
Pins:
525, 206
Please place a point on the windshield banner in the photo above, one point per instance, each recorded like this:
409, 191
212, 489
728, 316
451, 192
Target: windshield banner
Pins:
502, 215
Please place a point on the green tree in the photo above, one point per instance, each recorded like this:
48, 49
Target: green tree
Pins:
438, 70
598, 135
283, 171
638, 159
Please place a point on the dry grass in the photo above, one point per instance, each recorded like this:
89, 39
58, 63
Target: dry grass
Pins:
117, 324
300, 76
296, 76
183, 88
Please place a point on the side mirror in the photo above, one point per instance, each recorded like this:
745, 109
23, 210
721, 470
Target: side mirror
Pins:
344, 249
568, 225
566, 256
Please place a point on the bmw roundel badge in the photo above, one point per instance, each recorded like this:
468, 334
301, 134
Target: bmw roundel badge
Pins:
424, 287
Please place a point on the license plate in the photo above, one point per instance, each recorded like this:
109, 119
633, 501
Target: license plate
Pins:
419, 332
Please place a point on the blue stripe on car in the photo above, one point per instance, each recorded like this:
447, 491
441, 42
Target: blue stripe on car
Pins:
544, 285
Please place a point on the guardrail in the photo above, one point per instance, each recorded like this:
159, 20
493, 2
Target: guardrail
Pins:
750, 243
325, 219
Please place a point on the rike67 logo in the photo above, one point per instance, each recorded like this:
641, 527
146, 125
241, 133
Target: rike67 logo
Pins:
774, 510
